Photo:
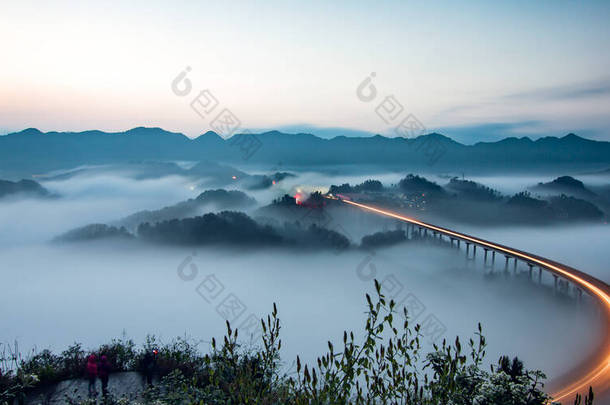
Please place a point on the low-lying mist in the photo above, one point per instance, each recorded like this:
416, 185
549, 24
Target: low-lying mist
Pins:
83, 200
53, 295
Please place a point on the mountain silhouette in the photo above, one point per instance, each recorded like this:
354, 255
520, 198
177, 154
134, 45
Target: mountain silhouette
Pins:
564, 185
32, 151
27, 188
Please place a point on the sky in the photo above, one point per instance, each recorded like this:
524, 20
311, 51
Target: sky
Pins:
476, 71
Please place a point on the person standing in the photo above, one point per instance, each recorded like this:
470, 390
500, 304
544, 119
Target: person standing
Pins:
92, 375
103, 371
149, 365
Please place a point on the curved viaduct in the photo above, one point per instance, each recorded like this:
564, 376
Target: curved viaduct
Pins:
593, 371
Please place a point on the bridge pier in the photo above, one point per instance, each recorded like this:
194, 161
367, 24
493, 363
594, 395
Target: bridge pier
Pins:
515, 266
555, 284
474, 251
485, 255
539, 275
564, 287
506, 263
531, 266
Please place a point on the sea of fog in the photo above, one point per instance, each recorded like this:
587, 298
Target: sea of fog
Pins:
53, 295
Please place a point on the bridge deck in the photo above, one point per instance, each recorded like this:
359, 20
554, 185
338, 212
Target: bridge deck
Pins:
593, 371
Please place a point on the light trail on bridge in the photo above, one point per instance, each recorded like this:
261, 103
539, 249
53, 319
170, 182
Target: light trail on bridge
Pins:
596, 374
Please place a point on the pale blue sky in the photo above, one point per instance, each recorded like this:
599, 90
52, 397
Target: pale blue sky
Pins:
523, 67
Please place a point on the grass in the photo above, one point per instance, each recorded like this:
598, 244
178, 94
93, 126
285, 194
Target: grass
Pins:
387, 366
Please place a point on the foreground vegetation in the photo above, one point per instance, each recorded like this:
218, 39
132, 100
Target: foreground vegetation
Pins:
386, 367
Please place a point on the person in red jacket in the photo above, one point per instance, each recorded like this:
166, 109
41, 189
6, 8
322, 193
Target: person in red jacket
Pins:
91, 375
103, 372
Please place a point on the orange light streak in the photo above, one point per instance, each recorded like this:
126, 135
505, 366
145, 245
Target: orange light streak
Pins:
599, 375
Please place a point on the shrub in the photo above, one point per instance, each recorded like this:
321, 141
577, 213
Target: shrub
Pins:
121, 353
386, 366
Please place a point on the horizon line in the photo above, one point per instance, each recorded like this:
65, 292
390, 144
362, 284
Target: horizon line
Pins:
373, 135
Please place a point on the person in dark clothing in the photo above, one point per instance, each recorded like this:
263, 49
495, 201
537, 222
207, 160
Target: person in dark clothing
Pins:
149, 365
91, 373
103, 371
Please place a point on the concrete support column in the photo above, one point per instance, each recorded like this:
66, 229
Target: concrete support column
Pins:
506, 263
555, 285
515, 266
485, 255
539, 275
531, 266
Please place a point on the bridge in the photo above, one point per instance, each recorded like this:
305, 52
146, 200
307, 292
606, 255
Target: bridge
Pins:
593, 371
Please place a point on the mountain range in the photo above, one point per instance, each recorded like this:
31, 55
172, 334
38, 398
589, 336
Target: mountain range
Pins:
31, 151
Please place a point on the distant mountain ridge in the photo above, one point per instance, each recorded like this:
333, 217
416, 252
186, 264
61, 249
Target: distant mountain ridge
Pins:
35, 152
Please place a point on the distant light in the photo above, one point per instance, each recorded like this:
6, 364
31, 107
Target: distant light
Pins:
234, 177
192, 188
273, 182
